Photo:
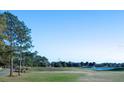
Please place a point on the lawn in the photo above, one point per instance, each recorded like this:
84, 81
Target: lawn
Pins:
52, 77
43, 77
103, 76
46, 75
66, 75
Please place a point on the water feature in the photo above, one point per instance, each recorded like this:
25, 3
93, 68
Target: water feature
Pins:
102, 68
108, 68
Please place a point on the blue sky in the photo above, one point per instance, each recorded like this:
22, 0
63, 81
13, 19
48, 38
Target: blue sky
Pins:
77, 35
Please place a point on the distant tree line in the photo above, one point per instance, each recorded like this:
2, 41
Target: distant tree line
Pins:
85, 64
35, 60
72, 64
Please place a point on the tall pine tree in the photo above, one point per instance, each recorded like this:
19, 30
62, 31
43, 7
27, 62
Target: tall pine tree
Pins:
18, 38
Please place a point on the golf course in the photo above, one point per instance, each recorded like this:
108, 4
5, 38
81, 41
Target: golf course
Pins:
61, 46
65, 75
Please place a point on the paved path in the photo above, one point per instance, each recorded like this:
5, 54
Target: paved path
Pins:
4, 72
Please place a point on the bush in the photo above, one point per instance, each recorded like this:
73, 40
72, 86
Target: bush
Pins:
23, 69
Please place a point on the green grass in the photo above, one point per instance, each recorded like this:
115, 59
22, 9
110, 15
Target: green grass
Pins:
66, 75
103, 76
46, 75
51, 77
43, 77
56, 69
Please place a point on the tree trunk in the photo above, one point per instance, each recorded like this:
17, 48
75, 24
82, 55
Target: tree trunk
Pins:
19, 67
11, 66
20, 64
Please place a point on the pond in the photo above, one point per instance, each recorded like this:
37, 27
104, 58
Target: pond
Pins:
102, 68
108, 68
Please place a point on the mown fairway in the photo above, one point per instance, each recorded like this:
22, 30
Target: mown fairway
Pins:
66, 75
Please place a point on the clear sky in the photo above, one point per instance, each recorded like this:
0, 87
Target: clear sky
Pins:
77, 35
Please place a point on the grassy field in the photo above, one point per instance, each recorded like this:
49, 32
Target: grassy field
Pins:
66, 75
42, 77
